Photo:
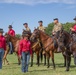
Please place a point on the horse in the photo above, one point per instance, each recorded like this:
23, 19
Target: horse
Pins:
48, 44
5, 61
15, 42
36, 48
73, 45
69, 43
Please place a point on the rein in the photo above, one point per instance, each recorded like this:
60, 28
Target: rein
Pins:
46, 46
38, 42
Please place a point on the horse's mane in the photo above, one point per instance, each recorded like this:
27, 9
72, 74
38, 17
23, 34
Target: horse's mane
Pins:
67, 34
15, 38
44, 33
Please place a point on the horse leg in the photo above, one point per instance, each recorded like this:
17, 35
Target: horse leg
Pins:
31, 60
38, 58
19, 61
68, 60
44, 59
52, 57
64, 60
7, 61
48, 57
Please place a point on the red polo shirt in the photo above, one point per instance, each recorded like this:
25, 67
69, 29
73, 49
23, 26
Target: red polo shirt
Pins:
11, 32
24, 46
74, 27
2, 42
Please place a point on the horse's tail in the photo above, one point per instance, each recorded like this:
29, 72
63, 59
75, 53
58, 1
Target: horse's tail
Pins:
41, 55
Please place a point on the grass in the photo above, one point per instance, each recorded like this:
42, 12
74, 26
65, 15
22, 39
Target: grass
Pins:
15, 69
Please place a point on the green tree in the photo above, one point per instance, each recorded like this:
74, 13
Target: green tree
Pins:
49, 28
66, 27
18, 35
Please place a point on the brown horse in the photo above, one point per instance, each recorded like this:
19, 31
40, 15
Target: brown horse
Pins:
48, 44
36, 48
15, 43
5, 61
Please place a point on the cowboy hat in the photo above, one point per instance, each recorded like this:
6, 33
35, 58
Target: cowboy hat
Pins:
10, 26
1, 30
74, 18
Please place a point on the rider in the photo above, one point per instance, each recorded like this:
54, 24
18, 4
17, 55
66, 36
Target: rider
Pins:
41, 27
2, 46
57, 27
73, 29
26, 27
12, 33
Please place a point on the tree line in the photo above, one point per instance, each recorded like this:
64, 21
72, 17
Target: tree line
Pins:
66, 27
49, 28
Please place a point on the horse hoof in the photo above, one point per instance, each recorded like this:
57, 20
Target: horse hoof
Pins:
44, 64
48, 67
7, 63
31, 66
19, 63
67, 70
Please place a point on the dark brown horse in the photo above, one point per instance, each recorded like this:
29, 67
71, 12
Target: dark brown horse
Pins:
48, 44
73, 45
70, 45
36, 48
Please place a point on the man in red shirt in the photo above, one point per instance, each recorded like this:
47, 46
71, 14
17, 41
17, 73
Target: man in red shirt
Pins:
73, 29
24, 52
12, 33
2, 46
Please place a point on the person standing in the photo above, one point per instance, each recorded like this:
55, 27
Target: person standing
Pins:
24, 52
41, 27
2, 46
12, 33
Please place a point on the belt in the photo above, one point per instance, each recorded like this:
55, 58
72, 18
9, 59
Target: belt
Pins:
1, 48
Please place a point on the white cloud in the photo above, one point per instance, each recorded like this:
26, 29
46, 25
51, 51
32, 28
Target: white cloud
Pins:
38, 1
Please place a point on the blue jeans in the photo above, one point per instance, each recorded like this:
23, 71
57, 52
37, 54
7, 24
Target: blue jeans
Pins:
1, 57
25, 61
11, 48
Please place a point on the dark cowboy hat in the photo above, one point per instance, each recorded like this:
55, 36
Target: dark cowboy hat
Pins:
25, 24
1, 30
25, 34
40, 21
74, 18
56, 19
10, 26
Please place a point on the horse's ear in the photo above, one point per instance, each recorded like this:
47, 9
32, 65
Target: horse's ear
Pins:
6, 33
34, 28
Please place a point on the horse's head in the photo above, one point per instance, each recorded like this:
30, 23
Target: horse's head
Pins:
7, 36
60, 39
35, 35
27, 32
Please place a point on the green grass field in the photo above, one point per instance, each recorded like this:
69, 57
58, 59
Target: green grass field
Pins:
15, 69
